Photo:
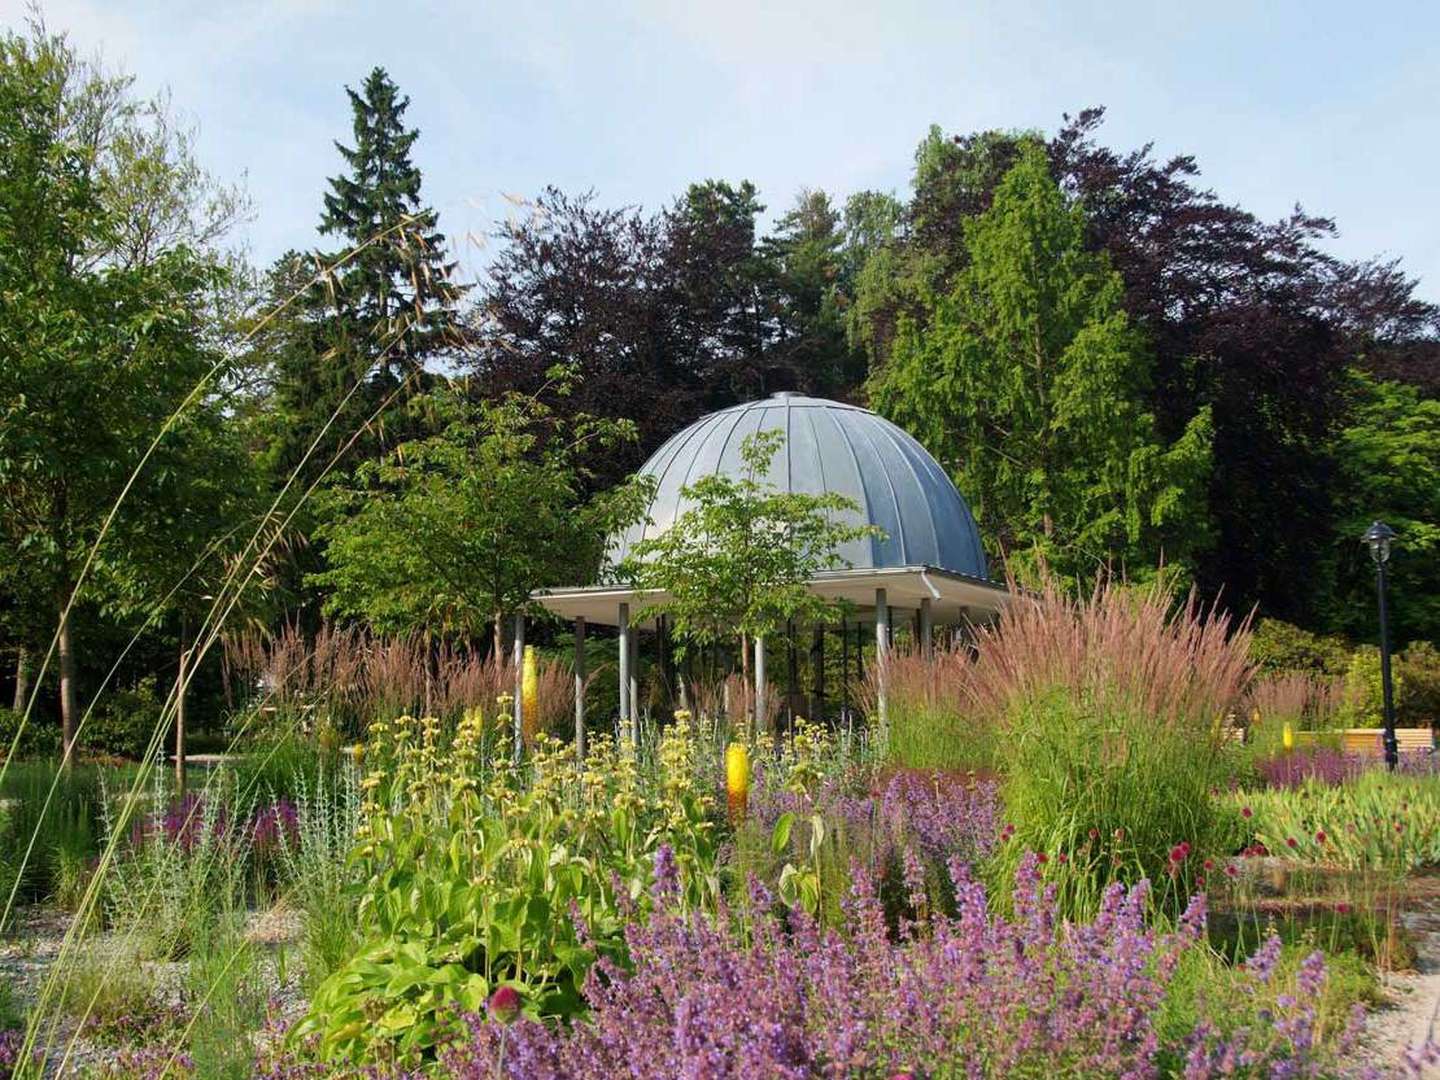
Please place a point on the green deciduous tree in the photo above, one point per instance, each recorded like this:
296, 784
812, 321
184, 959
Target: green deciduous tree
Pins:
1388, 468
106, 276
456, 529
738, 559
1027, 380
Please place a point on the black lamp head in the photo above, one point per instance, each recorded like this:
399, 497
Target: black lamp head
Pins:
1378, 537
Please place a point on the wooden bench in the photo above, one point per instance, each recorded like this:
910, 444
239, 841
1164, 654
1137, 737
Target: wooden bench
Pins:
1371, 740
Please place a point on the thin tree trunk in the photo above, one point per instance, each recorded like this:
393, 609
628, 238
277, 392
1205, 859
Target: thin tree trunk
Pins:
67, 684
499, 639
22, 678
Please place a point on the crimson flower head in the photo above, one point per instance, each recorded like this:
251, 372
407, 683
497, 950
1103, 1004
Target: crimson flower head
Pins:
1042, 857
1231, 871
1290, 842
504, 1004
1209, 864
1061, 857
1319, 836
1094, 833
1246, 812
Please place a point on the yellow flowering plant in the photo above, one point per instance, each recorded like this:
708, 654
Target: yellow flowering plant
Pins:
473, 866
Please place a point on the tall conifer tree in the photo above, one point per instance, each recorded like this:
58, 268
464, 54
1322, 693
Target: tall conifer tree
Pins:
383, 308
396, 292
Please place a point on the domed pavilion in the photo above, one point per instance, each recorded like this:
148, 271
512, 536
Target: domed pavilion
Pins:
927, 564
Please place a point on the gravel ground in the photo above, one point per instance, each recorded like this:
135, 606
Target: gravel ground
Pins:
1414, 1012
29, 952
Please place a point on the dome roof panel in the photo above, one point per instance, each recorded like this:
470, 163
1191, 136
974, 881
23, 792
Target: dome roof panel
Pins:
829, 447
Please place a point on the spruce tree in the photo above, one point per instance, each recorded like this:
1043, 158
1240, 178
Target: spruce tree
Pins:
396, 291
364, 319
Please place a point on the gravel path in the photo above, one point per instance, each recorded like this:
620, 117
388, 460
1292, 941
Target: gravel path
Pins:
30, 950
1414, 1014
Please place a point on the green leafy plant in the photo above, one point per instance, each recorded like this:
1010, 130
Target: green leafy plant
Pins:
1375, 822
472, 868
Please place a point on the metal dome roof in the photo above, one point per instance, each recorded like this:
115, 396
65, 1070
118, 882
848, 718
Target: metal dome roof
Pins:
829, 447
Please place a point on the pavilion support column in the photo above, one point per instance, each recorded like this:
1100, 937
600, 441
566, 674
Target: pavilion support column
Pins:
882, 651
759, 684
519, 707
635, 684
817, 674
927, 628
624, 657
580, 689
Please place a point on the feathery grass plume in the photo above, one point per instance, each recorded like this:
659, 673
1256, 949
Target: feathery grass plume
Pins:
1102, 708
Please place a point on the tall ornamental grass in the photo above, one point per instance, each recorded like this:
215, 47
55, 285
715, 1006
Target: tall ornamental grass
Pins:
930, 721
1106, 712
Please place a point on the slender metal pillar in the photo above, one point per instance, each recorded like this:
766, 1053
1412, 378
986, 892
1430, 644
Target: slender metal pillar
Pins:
1392, 746
927, 628
580, 688
759, 685
635, 684
519, 683
817, 674
844, 668
624, 661
882, 650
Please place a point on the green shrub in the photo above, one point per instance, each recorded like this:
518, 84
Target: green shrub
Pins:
1363, 704
124, 722
1279, 647
318, 876
227, 996
929, 724
1377, 822
55, 842
176, 868
38, 739
1419, 670
1207, 984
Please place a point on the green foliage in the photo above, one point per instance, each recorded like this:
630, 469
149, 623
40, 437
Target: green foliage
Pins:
318, 877
451, 531
1206, 983
1364, 702
1279, 646
1418, 669
1388, 468
1028, 381
471, 867
1377, 822
223, 983
738, 559
930, 723
124, 720
107, 357
1113, 792
175, 872
51, 842
36, 738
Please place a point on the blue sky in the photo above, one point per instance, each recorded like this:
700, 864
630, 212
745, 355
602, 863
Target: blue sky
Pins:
1332, 105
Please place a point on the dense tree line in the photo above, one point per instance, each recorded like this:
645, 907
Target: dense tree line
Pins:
1118, 368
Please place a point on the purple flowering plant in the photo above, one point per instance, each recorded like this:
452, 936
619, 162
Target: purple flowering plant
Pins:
759, 993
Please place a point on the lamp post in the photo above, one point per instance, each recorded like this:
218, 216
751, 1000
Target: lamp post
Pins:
1378, 537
